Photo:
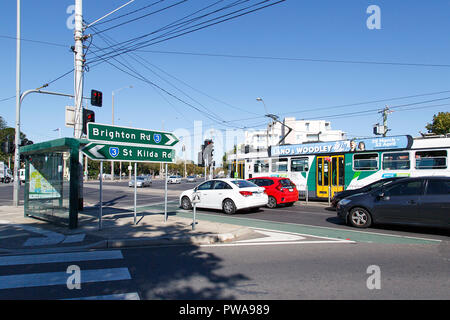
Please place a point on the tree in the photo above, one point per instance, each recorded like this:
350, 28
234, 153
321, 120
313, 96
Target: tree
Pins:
440, 124
2, 123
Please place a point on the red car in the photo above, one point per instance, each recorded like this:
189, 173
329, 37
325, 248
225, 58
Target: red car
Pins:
280, 190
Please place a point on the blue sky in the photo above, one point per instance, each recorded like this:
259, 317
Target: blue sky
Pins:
413, 32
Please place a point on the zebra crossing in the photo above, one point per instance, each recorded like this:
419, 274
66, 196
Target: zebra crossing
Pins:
87, 275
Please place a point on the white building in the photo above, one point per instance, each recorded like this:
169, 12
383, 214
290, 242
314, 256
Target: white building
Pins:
303, 131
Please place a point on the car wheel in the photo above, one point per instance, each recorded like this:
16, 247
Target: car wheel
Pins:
272, 202
228, 206
186, 203
359, 218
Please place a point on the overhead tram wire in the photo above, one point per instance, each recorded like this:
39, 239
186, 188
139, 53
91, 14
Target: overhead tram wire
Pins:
145, 66
177, 22
146, 62
181, 33
129, 13
140, 77
156, 90
141, 17
147, 43
221, 55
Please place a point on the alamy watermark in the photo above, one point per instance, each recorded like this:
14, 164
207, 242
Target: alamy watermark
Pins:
74, 280
374, 20
374, 280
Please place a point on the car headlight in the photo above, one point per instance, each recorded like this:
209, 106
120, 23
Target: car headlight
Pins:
344, 202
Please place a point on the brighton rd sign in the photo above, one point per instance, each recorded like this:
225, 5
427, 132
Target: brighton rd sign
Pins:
116, 134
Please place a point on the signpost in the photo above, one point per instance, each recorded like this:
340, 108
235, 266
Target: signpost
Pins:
195, 200
143, 137
112, 152
111, 143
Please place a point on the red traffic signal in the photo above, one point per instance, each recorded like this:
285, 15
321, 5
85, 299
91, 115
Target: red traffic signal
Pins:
88, 116
96, 98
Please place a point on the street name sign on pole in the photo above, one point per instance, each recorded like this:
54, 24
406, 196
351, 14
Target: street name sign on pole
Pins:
111, 152
111, 143
115, 134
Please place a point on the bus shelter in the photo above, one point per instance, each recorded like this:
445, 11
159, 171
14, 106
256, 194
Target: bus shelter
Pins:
52, 181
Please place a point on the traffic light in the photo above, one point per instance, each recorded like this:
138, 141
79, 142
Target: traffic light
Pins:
208, 149
96, 98
88, 116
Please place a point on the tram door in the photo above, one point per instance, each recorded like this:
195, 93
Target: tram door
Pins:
240, 169
330, 173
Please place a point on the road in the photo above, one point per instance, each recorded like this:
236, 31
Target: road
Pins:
274, 272
118, 194
303, 254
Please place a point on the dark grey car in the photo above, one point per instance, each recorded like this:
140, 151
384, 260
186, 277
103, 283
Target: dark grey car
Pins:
417, 201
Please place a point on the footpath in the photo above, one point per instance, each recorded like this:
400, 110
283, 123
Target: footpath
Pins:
20, 234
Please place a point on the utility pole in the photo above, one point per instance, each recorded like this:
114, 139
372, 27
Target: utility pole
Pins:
385, 113
17, 136
78, 89
79, 65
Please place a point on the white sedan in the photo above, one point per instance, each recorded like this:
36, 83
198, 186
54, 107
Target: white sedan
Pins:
229, 195
174, 179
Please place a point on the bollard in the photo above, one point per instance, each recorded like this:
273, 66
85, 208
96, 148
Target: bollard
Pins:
329, 195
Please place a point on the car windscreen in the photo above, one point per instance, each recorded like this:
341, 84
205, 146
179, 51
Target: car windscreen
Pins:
244, 184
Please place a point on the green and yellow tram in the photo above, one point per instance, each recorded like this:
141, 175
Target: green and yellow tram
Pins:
321, 169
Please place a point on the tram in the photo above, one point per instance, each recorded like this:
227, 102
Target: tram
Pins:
321, 169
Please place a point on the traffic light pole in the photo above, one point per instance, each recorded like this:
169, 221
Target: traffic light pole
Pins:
17, 138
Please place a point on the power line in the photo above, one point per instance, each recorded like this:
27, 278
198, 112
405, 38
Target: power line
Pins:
114, 53
300, 59
36, 41
129, 13
146, 66
141, 17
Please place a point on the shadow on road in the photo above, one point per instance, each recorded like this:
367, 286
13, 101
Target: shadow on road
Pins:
169, 271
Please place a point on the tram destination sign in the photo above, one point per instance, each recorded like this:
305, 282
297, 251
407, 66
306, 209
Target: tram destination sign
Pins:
115, 134
120, 152
354, 145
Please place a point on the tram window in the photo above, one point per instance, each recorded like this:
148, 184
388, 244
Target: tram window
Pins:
334, 171
261, 166
365, 162
319, 171
280, 165
299, 165
341, 171
431, 159
396, 161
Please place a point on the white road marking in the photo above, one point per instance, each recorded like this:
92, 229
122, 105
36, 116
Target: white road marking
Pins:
60, 257
60, 278
272, 236
119, 296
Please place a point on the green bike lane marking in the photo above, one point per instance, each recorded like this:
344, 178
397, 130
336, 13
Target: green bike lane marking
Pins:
344, 234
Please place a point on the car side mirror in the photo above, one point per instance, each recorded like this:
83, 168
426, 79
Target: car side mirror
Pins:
195, 189
383, 196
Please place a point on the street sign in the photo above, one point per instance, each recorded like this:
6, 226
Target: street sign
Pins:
114, 134
118, 152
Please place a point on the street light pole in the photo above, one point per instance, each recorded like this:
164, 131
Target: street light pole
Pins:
267, 131
17, 136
